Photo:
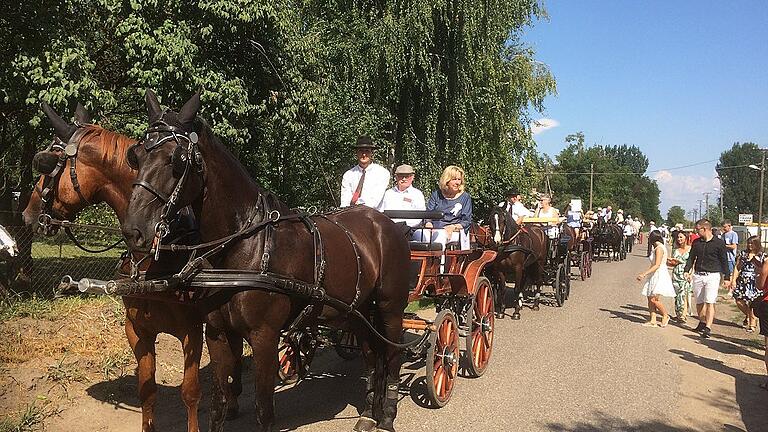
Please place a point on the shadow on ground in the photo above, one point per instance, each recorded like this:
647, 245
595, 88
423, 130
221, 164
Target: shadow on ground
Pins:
749, 396
604, 423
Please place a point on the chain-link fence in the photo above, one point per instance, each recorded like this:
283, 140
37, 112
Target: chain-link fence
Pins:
44, 260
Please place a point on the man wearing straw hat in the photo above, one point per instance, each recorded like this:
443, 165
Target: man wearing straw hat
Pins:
366, 182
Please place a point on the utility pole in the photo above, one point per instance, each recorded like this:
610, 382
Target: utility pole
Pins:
591, 176
700, 213
760, 208
706, 206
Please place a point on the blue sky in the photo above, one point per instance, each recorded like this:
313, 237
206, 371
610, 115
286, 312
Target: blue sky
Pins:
682, 80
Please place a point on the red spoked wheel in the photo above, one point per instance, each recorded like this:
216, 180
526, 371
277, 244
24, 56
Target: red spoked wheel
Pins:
442, 359
480, 326
583, 266
294, 356
287, 363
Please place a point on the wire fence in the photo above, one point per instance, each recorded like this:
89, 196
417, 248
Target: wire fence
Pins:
44, 260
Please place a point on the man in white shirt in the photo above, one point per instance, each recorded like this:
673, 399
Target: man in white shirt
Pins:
403, 196
366, 182
620, 217
515, 207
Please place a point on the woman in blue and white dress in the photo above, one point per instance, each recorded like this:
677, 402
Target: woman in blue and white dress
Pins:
456, 205
744, 280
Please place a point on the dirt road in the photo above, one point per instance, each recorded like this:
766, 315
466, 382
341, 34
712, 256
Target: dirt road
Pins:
588, 366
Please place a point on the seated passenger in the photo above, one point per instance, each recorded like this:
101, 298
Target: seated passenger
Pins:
456, 205
575, 216
545, 210
403, 196
515, 206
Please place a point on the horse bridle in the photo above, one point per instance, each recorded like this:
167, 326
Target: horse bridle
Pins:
189, 155
50, 186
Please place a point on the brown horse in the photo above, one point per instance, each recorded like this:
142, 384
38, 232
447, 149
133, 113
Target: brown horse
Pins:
181, 163
521, 252
101, 175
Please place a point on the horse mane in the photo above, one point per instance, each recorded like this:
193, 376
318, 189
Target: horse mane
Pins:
113, 146
206, 134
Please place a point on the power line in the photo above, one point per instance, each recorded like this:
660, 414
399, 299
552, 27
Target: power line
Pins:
646, 172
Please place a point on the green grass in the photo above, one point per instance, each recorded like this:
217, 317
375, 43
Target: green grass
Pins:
69, 251
54, 309
422, 303
30, 419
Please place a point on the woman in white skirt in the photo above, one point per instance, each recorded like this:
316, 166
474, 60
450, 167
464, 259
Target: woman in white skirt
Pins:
659, 282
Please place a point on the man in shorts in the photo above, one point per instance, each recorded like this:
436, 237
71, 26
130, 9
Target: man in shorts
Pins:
709, 261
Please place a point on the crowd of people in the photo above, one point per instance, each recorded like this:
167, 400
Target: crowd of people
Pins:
700, 264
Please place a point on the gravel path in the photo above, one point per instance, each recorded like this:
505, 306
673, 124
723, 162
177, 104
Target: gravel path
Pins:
588, 366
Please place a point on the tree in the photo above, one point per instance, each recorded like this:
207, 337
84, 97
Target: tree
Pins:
739, 183
619, 179
676, 215
288, 86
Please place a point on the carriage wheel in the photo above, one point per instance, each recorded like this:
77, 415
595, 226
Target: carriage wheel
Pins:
560, 285
583, 265
348, 346
568, 286
589, 264
442, 358
623, 252
480, 323
294, 357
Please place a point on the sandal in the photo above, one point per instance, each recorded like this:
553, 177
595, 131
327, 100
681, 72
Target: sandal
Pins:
751, 329
664, 321
649, 324
745, 322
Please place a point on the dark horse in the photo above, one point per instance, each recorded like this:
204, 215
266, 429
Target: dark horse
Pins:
609, 237
101, 175
521, 252
180, 163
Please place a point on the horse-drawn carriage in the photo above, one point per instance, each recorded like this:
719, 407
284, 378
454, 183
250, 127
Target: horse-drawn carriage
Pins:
260, 271
557, 265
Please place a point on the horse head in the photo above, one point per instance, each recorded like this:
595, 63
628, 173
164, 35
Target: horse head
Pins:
501, 225
83, 165
171, 171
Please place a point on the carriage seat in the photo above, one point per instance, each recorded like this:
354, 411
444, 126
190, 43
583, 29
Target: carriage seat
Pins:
425, 246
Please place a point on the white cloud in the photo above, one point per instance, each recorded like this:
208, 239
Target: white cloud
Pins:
685, 190
540, 125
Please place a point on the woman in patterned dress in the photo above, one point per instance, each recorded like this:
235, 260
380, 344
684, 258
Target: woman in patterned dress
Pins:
681, 284
745, 289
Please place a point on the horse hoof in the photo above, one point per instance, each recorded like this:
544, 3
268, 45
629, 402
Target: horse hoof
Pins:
535, 307
233, 412
365, 424
515, 316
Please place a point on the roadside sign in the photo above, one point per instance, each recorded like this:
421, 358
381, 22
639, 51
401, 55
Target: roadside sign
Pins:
745, 218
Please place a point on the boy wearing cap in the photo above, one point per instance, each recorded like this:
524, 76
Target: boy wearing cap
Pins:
366, 182
403, 196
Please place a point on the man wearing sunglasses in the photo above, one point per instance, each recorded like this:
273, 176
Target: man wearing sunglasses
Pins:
709, 261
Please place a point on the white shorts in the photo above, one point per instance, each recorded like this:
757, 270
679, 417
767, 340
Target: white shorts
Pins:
705, 286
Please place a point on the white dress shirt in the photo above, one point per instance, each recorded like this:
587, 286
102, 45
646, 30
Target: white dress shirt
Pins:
519, 210
409, 199
376, 183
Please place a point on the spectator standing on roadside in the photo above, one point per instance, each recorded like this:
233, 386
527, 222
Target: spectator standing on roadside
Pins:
744, 280
709, 261
659, 282
681, 250
731, 239
760, 309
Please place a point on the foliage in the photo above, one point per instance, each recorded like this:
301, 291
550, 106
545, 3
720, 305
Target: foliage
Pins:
676, 215
618, 180
288, 85
740, 184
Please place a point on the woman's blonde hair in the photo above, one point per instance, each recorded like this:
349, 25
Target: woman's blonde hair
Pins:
449, 173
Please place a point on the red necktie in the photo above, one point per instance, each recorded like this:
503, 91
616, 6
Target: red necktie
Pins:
358, 190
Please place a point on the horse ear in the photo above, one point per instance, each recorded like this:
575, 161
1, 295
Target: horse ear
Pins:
189, 110
82, 115
153, 107
61, 128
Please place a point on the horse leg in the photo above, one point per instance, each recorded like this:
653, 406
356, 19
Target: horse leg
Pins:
192, 345
366, 422
224, 367
501, 290
236, 386
519, 289
264, 342
390, 358
143, 346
